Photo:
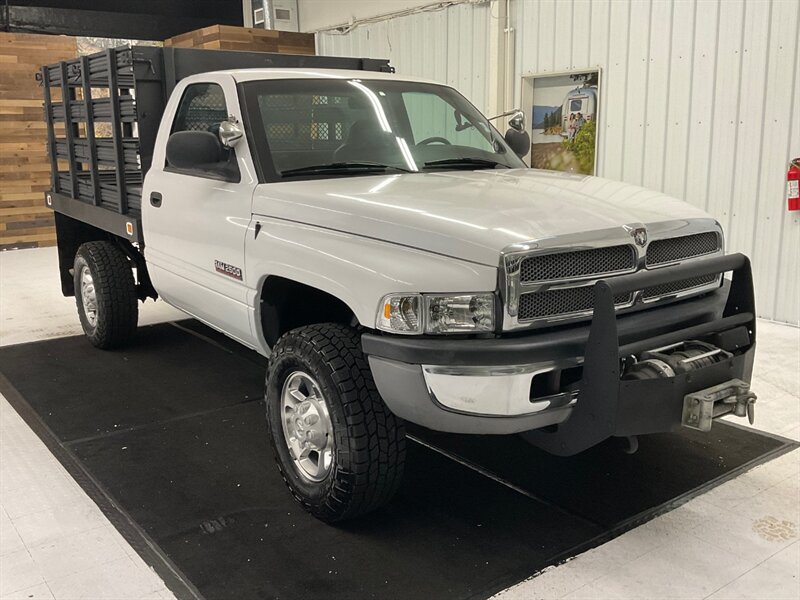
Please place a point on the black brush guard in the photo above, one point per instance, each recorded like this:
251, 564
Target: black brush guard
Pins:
609, 406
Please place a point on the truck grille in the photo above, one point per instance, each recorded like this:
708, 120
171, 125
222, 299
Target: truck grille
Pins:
577, 263
562, 301
679, 248
533, 299
673, 287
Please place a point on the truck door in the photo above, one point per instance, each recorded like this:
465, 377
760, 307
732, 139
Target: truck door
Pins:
195, 221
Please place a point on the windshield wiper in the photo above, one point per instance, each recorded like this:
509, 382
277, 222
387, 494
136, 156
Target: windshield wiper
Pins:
468, 163
343, 167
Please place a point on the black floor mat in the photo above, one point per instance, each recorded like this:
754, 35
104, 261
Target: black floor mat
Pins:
169, 438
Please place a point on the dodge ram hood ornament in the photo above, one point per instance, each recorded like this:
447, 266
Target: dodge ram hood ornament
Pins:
638, 233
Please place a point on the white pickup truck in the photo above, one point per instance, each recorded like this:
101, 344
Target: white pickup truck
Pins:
390, 253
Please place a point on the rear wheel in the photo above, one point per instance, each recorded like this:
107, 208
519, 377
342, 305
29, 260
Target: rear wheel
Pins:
105, 293
339, 449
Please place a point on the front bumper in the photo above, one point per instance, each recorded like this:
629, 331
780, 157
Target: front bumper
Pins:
484, 386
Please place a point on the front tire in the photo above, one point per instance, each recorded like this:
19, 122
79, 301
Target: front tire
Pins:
105, 293
339, 449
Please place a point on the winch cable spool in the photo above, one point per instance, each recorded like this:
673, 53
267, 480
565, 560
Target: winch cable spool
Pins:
675, 359
650, 368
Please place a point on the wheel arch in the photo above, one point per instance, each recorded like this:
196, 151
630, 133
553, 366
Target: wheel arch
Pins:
284, 304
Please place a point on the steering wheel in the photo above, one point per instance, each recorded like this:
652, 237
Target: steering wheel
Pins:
433, 140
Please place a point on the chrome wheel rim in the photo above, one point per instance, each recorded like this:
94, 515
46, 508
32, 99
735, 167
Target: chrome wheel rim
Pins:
88, 296
307, 426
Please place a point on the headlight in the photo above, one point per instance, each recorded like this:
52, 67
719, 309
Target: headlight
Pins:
459, 314
435, 313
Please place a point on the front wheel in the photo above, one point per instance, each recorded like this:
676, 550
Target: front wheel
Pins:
339, 449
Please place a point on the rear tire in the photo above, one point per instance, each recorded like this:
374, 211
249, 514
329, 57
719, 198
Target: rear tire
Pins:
105, 293
318, 372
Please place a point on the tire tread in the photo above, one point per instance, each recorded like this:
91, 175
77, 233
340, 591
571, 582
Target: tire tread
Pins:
116, 291
375, 455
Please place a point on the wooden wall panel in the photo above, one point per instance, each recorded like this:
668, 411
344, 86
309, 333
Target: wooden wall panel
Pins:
227, 37
25, 222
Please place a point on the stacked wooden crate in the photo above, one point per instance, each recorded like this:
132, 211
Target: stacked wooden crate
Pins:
228, 37
25, 221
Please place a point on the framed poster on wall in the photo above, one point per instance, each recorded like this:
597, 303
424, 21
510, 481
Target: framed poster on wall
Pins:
563, 110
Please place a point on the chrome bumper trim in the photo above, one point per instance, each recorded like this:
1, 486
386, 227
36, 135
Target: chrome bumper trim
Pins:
493, 390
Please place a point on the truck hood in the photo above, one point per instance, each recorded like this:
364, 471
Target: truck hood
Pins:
470, 215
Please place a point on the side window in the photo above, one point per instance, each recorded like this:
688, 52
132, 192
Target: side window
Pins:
202, 108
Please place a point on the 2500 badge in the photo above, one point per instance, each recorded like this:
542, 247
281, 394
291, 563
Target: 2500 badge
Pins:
228, 270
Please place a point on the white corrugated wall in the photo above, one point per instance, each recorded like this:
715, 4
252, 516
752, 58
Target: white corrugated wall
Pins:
450, 45
700, 99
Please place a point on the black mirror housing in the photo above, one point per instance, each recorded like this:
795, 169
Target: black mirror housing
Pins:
194, 150
518, 141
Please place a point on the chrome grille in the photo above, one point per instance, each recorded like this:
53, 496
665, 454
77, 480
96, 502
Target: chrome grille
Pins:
674, 287
577, 263
553, 284
561, 301
679, 248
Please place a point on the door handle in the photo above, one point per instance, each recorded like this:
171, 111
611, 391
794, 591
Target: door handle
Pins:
155, 199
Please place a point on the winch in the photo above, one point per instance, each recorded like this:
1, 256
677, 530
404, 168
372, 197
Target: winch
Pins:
702, 407
674, 359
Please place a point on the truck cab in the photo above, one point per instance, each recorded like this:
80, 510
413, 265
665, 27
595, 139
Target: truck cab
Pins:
312, 137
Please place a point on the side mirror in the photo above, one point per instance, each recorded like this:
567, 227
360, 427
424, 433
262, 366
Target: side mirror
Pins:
230, 132
518, 141
193, 149
516, 137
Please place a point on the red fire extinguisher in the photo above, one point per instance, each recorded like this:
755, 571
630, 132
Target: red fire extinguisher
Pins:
793, 184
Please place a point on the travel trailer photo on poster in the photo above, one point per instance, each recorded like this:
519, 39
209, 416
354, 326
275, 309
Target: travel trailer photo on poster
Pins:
564, 112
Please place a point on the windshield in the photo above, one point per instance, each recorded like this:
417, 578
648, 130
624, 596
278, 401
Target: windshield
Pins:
313, 128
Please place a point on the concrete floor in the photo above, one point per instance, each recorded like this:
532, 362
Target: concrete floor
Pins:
740, 540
